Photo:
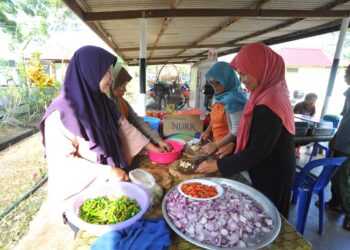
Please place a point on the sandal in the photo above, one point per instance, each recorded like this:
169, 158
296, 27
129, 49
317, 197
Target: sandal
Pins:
346, 223
330, 206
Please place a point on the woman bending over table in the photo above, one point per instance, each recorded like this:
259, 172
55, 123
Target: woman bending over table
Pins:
226, 111
265, 139
118, 88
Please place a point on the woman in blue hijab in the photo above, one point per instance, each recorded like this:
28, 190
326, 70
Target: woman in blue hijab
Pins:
83, 130
229, 101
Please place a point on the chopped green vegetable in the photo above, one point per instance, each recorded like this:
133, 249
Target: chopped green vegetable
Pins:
104, 211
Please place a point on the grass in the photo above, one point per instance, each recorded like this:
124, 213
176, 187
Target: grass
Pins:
22, 165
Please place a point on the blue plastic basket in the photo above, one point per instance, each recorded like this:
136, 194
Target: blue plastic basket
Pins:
332, 118
152, 121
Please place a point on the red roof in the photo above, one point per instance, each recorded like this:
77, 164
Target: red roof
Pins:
304, 57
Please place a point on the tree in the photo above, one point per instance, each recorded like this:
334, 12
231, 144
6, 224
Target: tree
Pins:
27, 20
7, 14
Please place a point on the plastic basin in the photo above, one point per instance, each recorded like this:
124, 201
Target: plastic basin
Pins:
152, 121
166, 157
332, 118
116, 189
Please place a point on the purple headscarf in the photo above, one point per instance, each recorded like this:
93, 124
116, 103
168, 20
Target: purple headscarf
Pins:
84, 109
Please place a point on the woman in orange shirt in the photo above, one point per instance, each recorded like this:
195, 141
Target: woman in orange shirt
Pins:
227, 110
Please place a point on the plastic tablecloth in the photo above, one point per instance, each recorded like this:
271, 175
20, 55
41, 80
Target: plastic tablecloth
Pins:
288, 237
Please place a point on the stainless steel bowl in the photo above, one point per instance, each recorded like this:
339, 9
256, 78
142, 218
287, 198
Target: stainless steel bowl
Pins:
260, 240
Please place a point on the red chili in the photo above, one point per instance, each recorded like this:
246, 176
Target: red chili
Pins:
199, 190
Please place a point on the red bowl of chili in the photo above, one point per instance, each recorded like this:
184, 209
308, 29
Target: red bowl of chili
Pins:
200, 189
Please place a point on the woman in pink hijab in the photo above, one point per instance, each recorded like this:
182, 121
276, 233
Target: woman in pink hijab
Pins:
265, 138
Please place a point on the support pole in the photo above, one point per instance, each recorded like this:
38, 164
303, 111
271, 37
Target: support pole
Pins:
336, 59
143, 54
141, 103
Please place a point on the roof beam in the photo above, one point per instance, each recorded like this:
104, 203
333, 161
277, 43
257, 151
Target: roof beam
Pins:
132, 63
223, 25
165, 24
162, 13
298, 34
96, 27
326, 7
195, 46
163, 58
330, 27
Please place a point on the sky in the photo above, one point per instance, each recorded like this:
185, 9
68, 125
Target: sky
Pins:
70, 39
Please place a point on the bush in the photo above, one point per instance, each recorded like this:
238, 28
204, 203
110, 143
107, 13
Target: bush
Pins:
31, 98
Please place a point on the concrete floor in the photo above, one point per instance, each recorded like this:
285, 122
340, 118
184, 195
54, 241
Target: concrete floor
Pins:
334, 237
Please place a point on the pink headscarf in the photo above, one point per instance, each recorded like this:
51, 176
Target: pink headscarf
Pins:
264, 64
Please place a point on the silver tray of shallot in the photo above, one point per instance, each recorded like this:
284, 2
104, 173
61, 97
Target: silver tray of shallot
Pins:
241, 218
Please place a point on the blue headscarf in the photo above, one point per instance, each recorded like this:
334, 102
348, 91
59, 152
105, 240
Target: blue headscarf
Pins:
233, 97
85, 110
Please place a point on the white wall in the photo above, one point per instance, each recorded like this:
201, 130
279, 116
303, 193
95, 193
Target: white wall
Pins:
315, 80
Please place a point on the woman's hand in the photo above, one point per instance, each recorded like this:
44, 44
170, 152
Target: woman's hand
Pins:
205, 135
225, 150
165, 146
207, 167
151, 146
118, 174
209, 148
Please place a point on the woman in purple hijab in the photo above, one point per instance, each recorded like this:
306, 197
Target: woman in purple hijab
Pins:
82, 130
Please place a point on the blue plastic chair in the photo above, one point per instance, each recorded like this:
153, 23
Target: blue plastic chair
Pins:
320, 145
306, 184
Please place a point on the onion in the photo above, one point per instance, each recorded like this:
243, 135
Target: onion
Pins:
203, 220
223, 232
229, 221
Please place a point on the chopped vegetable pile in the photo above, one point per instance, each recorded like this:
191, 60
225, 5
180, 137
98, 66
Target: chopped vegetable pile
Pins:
199, 190
233, 220
104, 211
186, 166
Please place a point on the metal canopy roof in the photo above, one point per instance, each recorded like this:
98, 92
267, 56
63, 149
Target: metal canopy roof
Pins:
183, 31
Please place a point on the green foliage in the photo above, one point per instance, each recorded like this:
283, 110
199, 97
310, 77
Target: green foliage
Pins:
38, 99
11, 99
21, 70
27, 20
27, 101
8, 25
4, 62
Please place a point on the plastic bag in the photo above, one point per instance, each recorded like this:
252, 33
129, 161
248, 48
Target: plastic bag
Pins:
146, 180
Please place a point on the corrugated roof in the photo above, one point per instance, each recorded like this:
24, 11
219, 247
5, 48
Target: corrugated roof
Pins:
180, 31
300, 57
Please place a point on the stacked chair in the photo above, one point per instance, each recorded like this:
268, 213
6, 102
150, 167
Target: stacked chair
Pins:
306, 184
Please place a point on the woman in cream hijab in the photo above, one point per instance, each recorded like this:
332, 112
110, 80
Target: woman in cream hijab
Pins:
120, 79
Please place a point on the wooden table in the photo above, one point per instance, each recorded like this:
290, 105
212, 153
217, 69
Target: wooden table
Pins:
307, 118
310, 138
288, 237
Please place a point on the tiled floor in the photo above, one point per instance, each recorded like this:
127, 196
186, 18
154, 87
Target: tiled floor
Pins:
334, 237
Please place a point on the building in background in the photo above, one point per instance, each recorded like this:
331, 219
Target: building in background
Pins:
308, 70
